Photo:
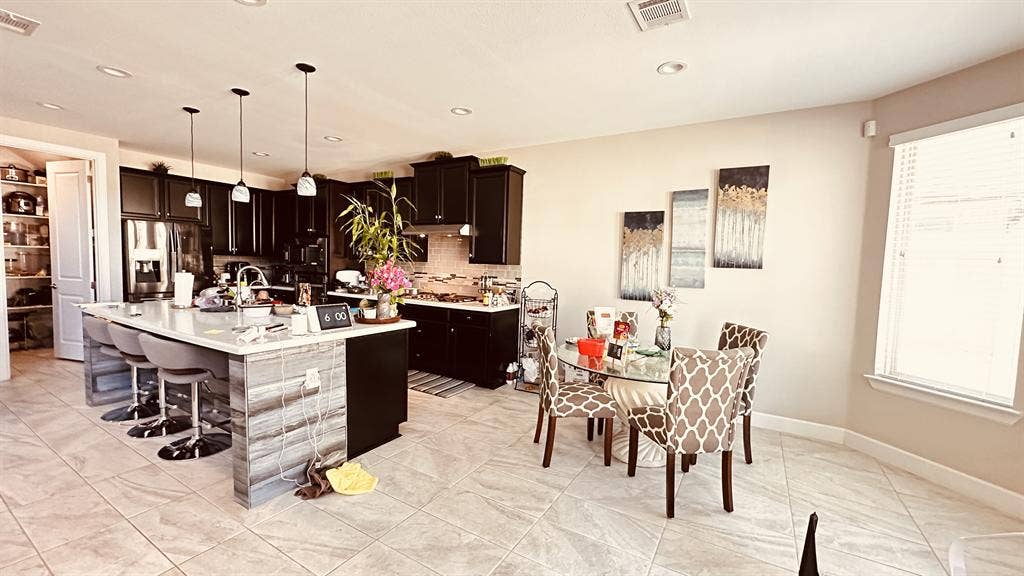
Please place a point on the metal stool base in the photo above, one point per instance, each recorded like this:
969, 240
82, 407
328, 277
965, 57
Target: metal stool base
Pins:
195, 447
133, 411
160, 427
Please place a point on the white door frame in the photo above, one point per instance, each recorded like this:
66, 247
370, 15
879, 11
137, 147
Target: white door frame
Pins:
99, 208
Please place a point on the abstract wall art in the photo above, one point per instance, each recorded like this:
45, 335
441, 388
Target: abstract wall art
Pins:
643, 234
689, 238
740, 220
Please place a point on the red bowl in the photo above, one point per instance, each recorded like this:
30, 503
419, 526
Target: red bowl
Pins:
591, 346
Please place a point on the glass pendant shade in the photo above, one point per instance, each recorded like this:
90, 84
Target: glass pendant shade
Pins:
240, 193
306, 185
193, 199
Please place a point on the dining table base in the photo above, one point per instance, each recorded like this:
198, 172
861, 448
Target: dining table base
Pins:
630, 394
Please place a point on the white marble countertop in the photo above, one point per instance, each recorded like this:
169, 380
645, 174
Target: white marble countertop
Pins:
214, 329
474, 306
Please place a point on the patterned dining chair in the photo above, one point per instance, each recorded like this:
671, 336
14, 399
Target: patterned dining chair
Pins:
568, 400
697, 418
737, 336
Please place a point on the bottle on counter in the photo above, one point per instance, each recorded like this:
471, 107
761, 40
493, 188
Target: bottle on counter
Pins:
40, 205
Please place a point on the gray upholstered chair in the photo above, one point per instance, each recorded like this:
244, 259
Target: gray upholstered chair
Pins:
737, 336
568, 400
181, 363
697, 418
100, 331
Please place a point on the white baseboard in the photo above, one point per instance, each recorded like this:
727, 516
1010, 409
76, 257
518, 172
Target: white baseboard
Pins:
1006, 501
812, 430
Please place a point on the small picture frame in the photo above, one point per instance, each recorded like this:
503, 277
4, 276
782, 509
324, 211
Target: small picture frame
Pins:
615, 351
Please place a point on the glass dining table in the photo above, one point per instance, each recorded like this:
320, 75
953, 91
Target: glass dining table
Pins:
637, 381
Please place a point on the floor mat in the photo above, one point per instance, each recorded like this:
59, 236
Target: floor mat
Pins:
442, 386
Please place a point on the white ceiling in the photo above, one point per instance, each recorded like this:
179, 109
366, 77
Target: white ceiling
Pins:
533, 72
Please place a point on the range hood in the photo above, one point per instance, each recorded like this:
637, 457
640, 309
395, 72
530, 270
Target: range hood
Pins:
440, 230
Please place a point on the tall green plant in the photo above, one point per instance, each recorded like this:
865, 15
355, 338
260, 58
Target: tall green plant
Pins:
377, 235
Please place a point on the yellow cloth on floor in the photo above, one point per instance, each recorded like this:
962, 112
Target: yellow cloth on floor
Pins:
350, 479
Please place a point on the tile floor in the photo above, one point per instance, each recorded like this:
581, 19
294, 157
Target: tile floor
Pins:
462, 492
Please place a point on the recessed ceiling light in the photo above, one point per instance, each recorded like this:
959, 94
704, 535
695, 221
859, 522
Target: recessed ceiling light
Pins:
332, 139
671, 67
252, 2
50, 106
115, 72
261, 154
459, 111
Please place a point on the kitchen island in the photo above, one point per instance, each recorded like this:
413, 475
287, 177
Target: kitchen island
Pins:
356, 376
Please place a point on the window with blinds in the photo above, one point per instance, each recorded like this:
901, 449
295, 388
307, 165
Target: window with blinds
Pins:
952, 302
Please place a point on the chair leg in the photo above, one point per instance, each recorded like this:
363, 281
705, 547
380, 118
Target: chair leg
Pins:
540, 423
727, 480
590, 429
600, 427
634, 437
549, 444
607, 441
685, 463
670, 483
746, 439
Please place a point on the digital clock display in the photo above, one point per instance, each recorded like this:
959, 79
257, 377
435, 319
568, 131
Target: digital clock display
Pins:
329, 316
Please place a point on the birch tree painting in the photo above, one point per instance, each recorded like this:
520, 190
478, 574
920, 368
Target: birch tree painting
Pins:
689, 238
740, 221
642, 237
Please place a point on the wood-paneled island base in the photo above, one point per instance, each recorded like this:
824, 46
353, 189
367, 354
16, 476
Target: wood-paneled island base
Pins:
362, 391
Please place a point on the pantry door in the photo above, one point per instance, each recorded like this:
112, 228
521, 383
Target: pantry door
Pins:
70, 252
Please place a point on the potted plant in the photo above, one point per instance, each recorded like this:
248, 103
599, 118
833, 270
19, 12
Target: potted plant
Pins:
379, 244
160, 167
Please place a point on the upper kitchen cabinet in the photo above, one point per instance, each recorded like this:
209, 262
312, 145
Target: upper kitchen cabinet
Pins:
311, 211
265, 228
147, 194
496, 196
341, 193
442, 190
284, 218
232, 228
175, 190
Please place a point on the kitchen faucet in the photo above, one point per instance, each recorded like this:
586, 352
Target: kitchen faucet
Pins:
261, 280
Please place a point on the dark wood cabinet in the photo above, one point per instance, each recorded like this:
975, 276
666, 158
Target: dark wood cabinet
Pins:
175, 190
284, 221
428, 346
497, 199
140, 194
442, 190
311, 211
265, 225
232, 225
377, 390
468, 350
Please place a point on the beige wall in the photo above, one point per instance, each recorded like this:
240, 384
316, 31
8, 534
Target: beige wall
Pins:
181, 166
577, 191
973, 445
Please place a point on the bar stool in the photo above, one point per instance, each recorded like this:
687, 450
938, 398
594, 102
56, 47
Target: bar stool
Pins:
99, 330
127, 342
180, 363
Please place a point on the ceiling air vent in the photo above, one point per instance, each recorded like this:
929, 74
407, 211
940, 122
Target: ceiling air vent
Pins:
652, 13
17, 23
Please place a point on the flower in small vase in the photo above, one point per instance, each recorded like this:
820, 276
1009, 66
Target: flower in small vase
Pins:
664, 301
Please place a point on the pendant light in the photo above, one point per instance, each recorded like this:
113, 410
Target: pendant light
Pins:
306, 185
240, 193
193, 199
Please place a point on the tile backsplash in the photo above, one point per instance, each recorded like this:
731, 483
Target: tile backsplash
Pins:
447, 269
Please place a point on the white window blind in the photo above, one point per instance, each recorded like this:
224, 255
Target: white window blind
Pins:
952, 302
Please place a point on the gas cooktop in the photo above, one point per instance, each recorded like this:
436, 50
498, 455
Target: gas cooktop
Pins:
442, 297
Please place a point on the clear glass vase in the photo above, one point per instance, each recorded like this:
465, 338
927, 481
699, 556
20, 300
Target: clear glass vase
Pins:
384, 307
663, 337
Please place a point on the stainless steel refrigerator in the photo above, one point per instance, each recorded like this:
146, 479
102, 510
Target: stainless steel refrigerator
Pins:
154, 251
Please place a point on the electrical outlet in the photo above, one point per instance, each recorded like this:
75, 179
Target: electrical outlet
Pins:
312, 381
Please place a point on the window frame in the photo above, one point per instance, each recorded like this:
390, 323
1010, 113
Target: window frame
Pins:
923, 391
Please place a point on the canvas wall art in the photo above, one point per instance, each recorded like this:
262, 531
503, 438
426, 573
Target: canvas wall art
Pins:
642, 236
689, 238
740, 220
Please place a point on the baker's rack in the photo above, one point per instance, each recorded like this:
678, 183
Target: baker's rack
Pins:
538, 302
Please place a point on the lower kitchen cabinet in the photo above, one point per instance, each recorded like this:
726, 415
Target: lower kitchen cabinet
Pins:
428, 346
377, 389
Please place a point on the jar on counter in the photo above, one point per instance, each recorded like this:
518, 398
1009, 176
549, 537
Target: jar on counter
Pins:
9, 265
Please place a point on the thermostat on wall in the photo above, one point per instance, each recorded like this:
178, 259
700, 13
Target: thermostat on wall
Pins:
328, 317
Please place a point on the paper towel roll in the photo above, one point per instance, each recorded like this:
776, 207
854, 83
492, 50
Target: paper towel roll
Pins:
183, 289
